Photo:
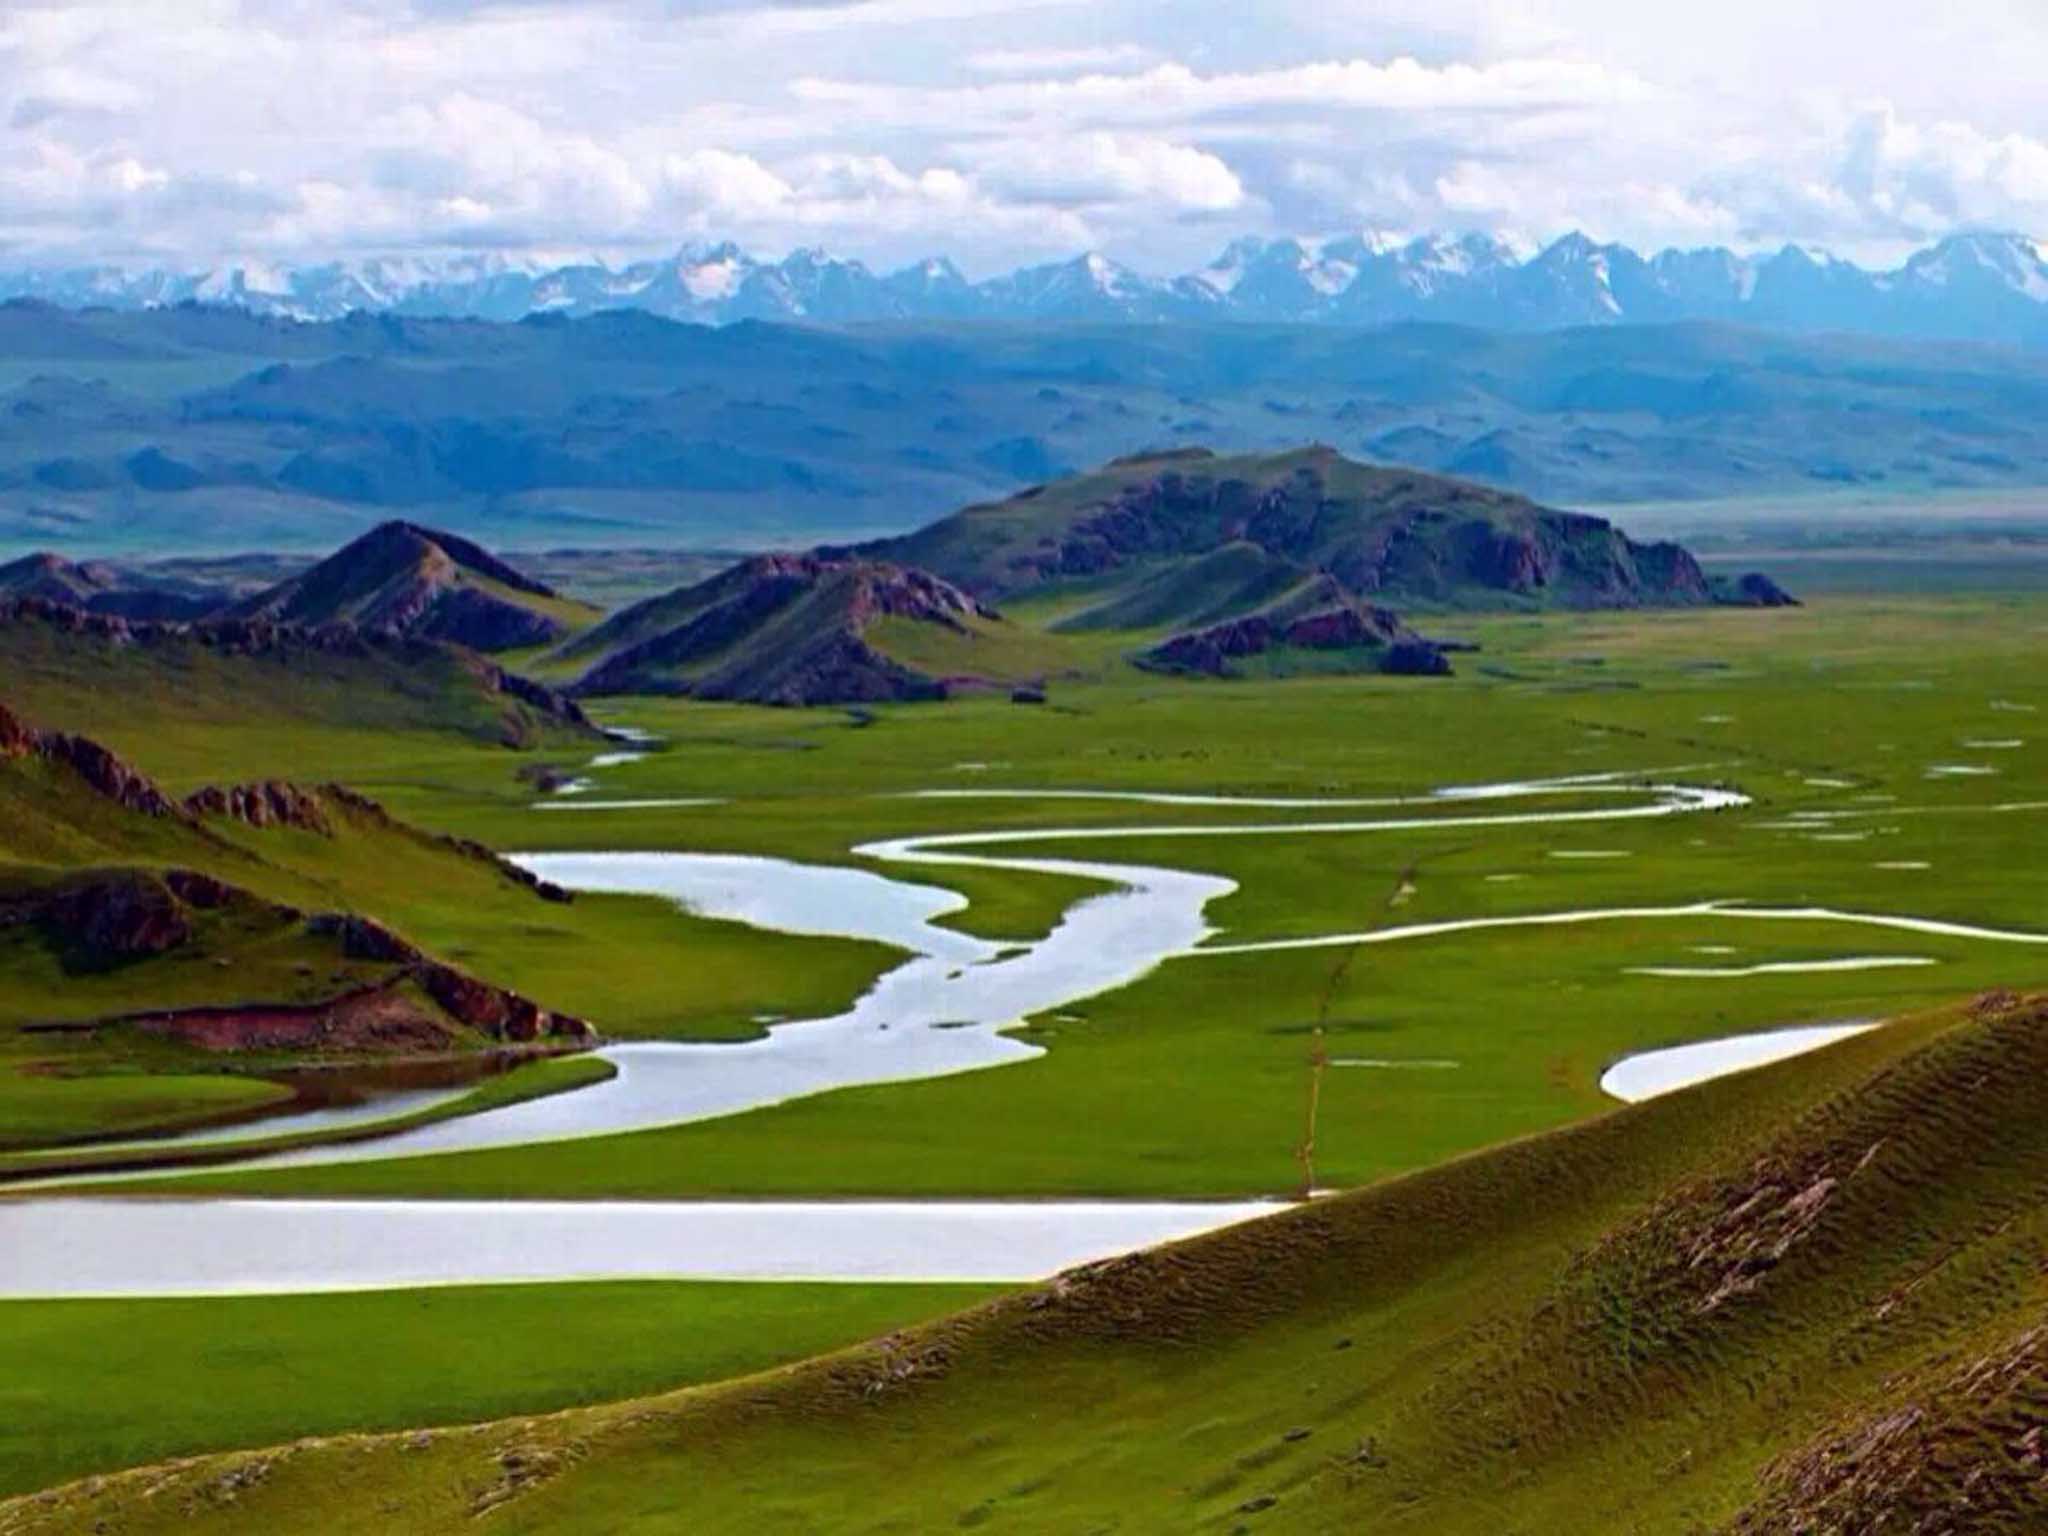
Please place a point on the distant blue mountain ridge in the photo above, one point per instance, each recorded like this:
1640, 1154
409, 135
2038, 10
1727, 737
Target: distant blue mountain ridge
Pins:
1977, 286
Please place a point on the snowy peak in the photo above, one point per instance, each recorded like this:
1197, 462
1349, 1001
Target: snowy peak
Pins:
1987, 286
1994, 262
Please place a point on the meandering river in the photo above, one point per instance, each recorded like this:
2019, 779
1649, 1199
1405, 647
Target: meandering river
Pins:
944, 1009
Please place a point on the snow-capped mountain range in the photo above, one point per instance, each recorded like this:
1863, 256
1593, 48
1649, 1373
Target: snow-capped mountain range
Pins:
1990, 287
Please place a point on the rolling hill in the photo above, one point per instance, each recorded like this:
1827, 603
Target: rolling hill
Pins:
778, 629
402, 579
1186, 537
1802, 1299
1286, 562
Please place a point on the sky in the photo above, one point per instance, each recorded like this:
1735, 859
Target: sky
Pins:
190, 132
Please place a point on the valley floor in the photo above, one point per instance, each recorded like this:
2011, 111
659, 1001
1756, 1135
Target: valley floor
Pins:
1893, 764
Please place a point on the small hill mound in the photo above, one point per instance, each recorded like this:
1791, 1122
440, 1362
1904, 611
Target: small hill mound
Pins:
402, 579
778, 629
1365, 636
1193, 526
98, 587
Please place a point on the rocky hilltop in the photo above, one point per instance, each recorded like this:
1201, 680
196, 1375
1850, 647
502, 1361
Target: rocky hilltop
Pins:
778, 629
403, 579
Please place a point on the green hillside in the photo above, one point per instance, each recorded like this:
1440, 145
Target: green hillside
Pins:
1799, 1299
1186, 537
268, 698
793, 629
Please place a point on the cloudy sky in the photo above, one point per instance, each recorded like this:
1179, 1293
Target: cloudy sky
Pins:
188, 131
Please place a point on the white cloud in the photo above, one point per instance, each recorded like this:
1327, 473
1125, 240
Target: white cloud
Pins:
1173, 92
1000, 131
1058, 61
1109, 168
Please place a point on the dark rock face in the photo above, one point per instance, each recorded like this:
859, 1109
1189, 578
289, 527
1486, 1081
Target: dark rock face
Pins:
119, 918
99, 921
205, 894
17, 738
466, 616
1348, 627
364, 938
554, 704
840, 669
271, 803
491, 1010
1415, 658
1753, 589
97, 588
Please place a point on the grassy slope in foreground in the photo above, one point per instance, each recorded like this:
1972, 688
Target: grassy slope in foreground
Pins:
1665, 1320
93, 1386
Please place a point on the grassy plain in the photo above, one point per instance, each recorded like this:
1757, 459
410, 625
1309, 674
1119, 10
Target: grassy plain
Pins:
1192, 1080
92, 1386
1845, 721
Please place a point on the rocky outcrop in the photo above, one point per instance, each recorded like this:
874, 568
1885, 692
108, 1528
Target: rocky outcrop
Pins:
108, 921
270, 803
1963, 1449
1376, 633
1752, 589
370, 810
488, 1009
105, 772
553, 703
276, 803
375, 1020
131, 916
103, 919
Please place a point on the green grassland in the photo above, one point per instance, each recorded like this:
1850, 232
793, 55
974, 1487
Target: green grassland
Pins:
1448, 1272
93, 1386
1799, 1299
1190, 1082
